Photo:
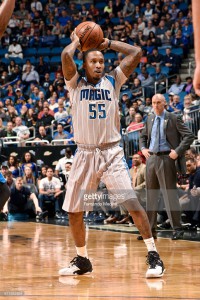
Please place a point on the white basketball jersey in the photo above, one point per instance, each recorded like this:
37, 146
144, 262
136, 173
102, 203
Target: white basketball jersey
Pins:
95, 111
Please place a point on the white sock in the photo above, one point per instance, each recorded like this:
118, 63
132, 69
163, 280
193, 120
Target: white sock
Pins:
150, 244
82, 251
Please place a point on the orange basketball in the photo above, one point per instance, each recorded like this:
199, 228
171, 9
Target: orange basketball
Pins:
90, 35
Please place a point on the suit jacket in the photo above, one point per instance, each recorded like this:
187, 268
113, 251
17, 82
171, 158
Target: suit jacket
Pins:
140, 182
178, 135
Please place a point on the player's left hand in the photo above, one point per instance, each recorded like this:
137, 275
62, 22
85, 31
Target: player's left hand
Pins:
104, 44
74, 38
173, 154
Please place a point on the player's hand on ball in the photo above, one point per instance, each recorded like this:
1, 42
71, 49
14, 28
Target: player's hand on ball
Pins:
74, 38
104, 44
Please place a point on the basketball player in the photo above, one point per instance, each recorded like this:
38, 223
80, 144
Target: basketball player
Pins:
196, 25
6, 10
94, 100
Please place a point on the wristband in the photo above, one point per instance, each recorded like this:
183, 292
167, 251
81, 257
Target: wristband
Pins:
109, 44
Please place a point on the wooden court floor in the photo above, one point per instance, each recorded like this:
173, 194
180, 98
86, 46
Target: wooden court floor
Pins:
32, 253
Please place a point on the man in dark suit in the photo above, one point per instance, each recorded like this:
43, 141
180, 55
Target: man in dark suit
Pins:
163, 142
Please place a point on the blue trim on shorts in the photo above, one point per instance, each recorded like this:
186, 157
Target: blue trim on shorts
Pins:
2, 179
111, 79
126, 166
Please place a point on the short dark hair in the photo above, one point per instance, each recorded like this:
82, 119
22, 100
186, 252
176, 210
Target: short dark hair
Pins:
85, 54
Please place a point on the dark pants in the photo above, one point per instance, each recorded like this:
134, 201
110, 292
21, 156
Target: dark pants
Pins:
4, 194
161, 176
27, 209
45, 199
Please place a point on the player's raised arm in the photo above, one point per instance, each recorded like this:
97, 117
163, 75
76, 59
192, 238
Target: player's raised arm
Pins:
68, 64
6, 10
132, 58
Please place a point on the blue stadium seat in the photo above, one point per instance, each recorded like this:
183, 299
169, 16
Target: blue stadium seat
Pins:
101, 22
45, 58
76, 22
46, 51
151, 70
162, 51
18, 60
52, 76
183, 6
166, 96
115, 21
182, 95
56, 51
55, 59
33, 60
177, 51
5, 60
165, 70
110, 55
65, 41
30, 52
100, 5
3, 51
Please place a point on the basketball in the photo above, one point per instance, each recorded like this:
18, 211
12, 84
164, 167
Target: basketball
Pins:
90, 35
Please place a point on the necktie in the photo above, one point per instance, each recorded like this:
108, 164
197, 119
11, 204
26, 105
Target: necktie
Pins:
156, 147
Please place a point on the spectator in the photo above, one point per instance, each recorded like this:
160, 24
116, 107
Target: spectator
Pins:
8, 132
128, 8
155, 58
13, 166
138, 176
28, 177
22, 201
117, 8
28, 160
42, 135
14, 50
137, 124
43, 174
148, 29
188, 88
171, 61
50, 191
10, 180
174, 11
160, 79
148, 84
60, 167
177, 87
30, 76
148, 13
37, 5
62, 134
46, 119
22, 131
61, 115
161, 30
192, 207
181, 41
176, 105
